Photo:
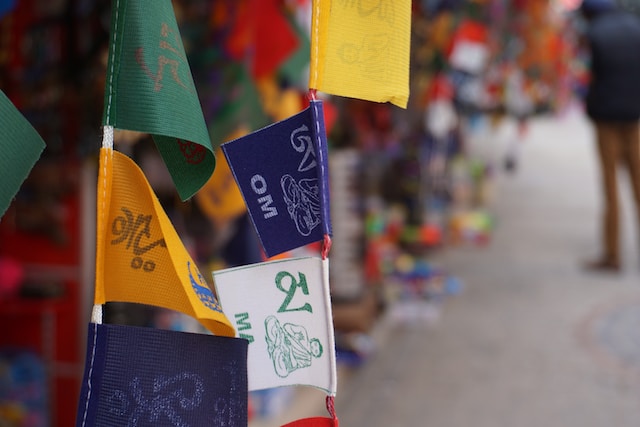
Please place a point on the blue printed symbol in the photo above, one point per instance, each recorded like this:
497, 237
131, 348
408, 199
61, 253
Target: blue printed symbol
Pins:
169, 397
202, 290
303, 202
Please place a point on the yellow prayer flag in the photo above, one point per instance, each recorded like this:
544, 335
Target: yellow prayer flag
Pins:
220, 198
140, 257
361, 49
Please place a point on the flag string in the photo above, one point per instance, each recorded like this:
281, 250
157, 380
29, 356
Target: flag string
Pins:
331, 407
113, 61
313, 94
91, 363
316, 42
326, 246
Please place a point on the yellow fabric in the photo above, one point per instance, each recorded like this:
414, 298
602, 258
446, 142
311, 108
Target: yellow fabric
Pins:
220, 198
140, 257
361, 49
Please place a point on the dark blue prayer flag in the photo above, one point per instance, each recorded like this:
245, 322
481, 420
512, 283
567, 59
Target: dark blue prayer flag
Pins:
282, 172
151, 377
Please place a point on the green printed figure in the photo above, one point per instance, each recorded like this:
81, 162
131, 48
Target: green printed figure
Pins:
289, 346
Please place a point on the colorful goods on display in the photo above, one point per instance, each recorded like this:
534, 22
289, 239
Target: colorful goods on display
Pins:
23, 389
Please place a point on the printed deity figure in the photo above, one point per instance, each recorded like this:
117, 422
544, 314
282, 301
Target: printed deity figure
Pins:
289, 346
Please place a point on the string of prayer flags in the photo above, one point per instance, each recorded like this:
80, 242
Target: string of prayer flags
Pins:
142, 376
287, 321
361, 49
21, 146
140, 257
282, 172
149, 88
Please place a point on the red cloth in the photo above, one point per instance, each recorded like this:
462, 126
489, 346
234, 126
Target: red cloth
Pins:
314, 422
263, 33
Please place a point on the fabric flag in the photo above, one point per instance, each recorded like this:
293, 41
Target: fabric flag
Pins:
140, 257
361, 49
283, 309
149, 88
142, 376
232, 100
314, 422
220, 198
260, 33
273, 38
282, 173
21, 146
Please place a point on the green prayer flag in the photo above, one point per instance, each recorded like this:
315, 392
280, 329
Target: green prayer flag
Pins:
21, 148
238, 102
149, 88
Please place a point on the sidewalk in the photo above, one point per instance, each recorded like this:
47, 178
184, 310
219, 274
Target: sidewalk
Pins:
533, 340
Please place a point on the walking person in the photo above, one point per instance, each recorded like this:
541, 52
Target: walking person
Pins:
613, 105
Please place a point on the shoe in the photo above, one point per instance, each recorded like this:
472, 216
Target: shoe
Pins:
603, 265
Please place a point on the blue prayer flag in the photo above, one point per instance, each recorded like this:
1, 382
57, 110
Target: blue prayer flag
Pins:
151, 377
282, 172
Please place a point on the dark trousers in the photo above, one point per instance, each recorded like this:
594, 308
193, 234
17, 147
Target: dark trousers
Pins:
618, 142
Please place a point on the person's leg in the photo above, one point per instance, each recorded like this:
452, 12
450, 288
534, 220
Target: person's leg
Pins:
608, 150
632, 161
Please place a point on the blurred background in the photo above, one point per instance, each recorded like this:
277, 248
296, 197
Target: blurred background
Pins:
459, 223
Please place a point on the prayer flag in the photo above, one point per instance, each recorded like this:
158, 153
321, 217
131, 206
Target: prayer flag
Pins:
149, 88
140, 257
21, 149
260, 32
283, 309
273, 38
232, 100
142, 376
361, 49
220, 197
314, 422
283, 176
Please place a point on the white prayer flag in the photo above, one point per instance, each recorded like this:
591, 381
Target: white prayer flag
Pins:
283, 308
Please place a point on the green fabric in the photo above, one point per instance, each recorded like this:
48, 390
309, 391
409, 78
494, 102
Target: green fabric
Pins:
21, 148
149, 88
291, 69
239, 103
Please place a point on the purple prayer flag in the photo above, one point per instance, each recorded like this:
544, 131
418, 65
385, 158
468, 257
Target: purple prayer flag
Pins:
282, 172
